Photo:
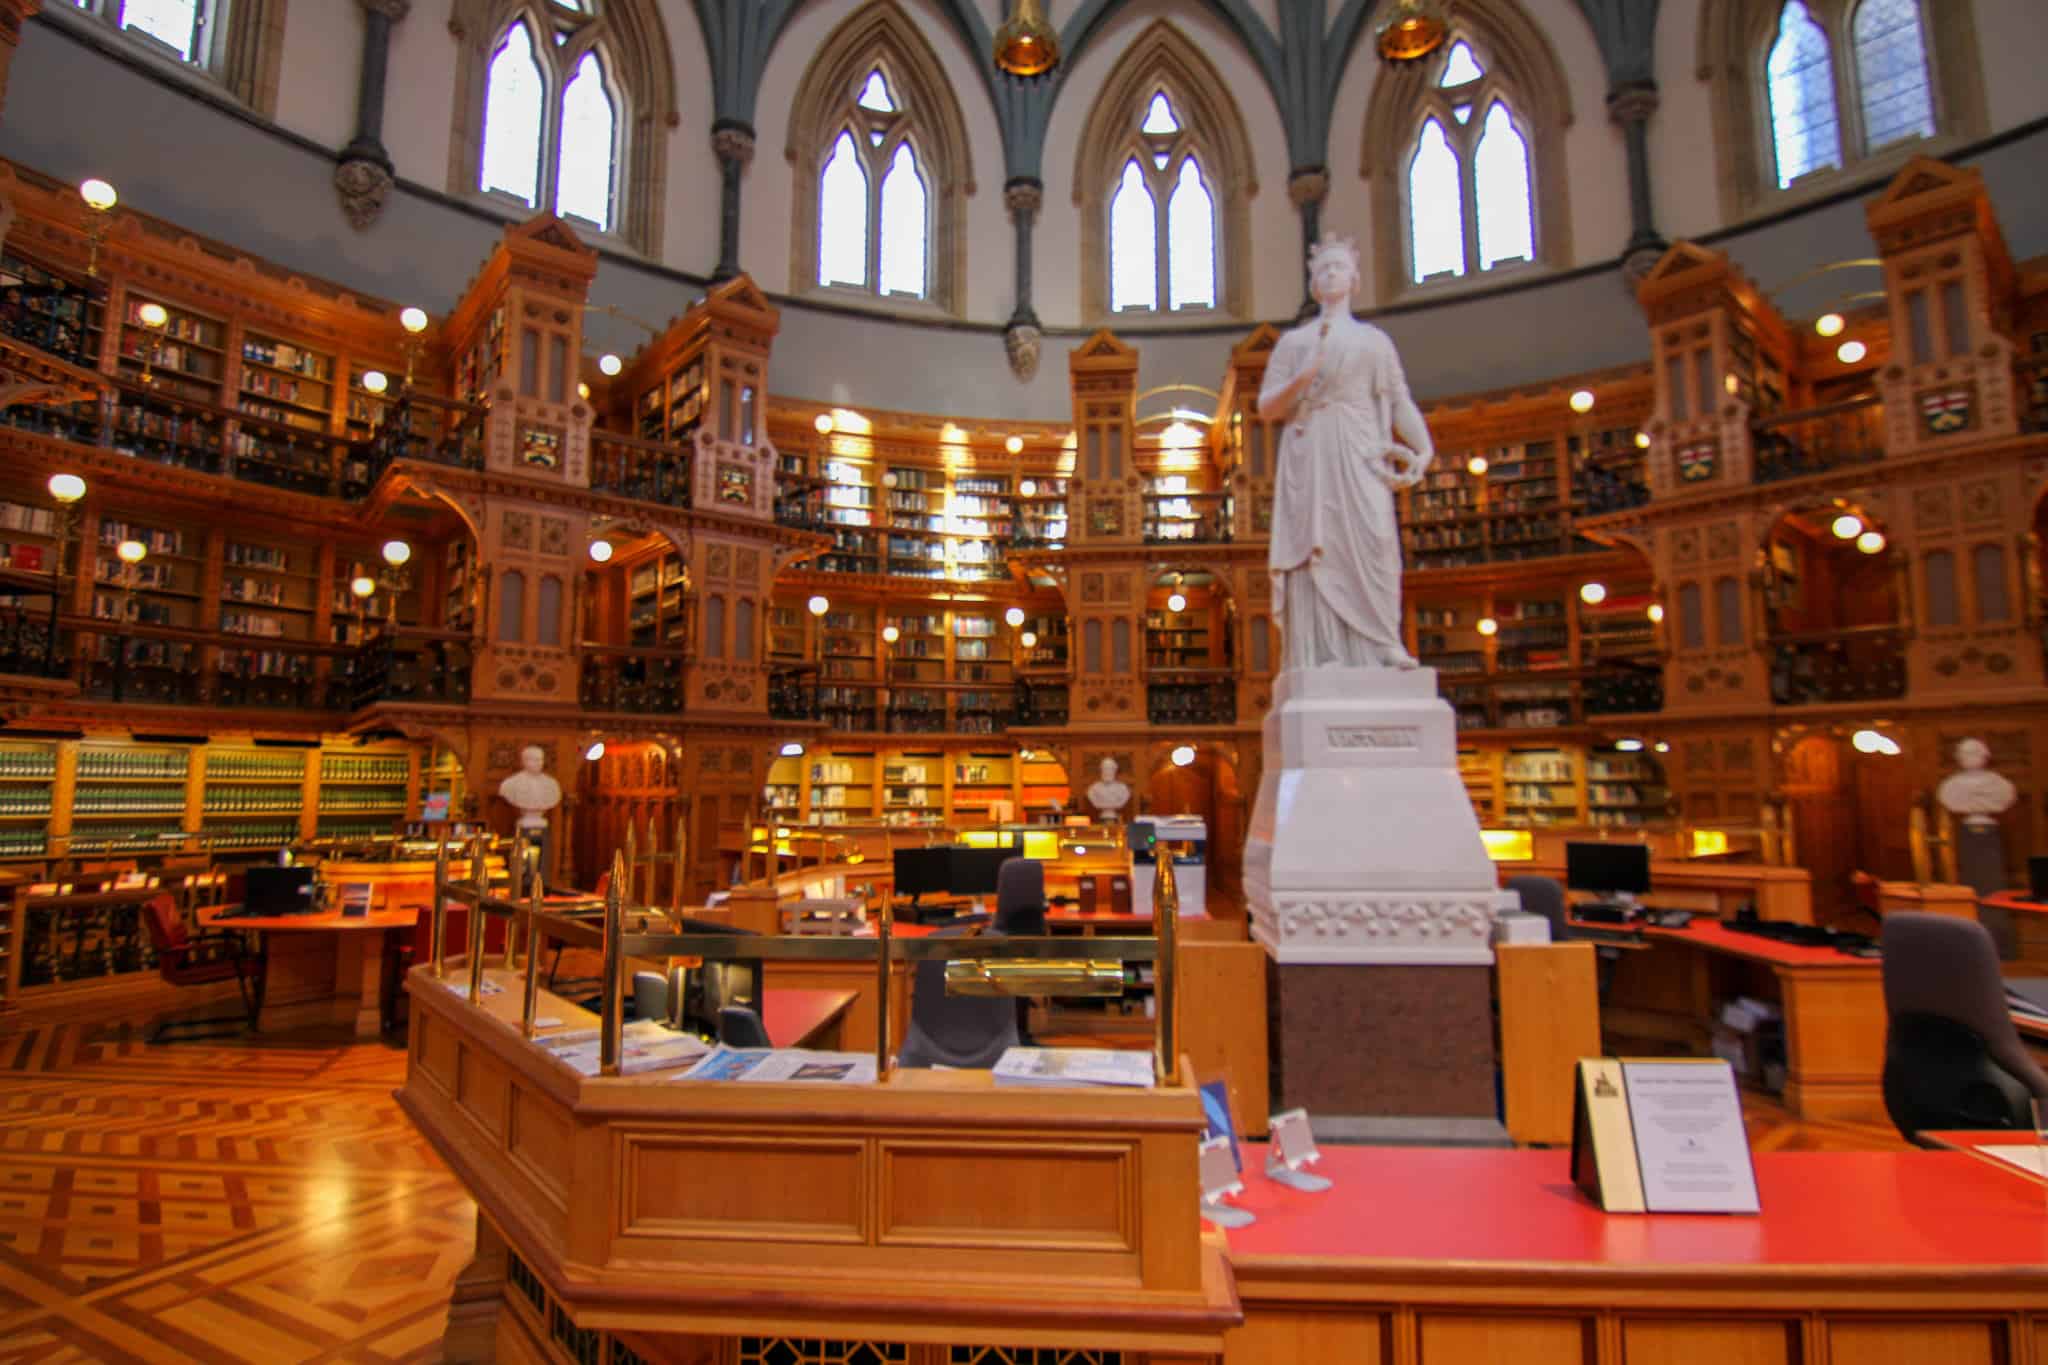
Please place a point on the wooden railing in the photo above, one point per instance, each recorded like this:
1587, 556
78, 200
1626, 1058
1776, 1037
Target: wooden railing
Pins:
424, 427
1789, 445
1186, 518
1860, 663
412, 665
1191, 697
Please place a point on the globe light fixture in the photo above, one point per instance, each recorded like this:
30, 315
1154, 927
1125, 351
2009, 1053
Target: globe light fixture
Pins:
1875, 742
1015, 445
396, 552
1029, 639
595, 751
793, 749
1657, 613
1476, 466
601, 551
362, 585
1662, 746
1029, 488
1592, 594
1871, 542
1183, 755
66, 488
1176, 602
583, 390
1628, 746
890, 635
1026, 44
1413, 30
1487, 625
610, 364
1014, 617
1642, 440
413, 320
1830, 324
1847, 526
1582, 402
98, 195
375, 381
823, 422
1851, 352
819, 604
153, 316
132, 551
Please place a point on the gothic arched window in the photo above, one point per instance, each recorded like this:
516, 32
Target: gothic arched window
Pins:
1470, 207
1163, 179
1803, 87
561, 107
1465, 154
881, 159
238, 43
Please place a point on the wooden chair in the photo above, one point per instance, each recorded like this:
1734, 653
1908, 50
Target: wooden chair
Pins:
199, 960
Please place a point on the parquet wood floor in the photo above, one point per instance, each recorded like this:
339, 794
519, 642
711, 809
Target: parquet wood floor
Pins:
264, 1200
244, 1200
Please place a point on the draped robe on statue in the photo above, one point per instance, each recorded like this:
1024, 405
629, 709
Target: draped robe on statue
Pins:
1336, 548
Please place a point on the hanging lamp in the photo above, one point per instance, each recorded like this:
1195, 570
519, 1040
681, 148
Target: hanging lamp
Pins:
1026, 44
1413, 30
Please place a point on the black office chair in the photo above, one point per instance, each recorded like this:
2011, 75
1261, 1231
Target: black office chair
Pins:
739, 1026
1952, 1058
1544, 896
650, 996
965, 1032
1020, 897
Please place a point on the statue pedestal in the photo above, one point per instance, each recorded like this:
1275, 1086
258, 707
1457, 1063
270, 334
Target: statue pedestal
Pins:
1371, 891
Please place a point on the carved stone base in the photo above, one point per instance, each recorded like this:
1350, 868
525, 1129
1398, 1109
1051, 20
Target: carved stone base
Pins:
1381, 1042
1363, 844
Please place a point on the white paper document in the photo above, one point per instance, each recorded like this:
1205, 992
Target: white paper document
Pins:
1689, 1137
2033, 1160
784, 1064
1074, 1066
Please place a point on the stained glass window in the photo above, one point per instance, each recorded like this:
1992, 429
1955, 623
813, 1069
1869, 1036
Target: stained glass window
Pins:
589, 144
514, 94
1805, 129
1891, 72
1436, 206
1133, 243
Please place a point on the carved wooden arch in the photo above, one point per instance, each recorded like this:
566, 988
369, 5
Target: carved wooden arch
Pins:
1163, 58
881, 35
1523, 68
1733, 43
635, 44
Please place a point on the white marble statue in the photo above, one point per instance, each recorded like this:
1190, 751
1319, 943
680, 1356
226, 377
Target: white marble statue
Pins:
1973, 793
531, 791
1353, 435
1108, 795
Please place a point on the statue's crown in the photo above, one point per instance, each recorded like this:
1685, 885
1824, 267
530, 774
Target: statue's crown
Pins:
1333, 245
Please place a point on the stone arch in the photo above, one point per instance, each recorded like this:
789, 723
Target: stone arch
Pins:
1521, 66
635, 45
882, 35
1163, 57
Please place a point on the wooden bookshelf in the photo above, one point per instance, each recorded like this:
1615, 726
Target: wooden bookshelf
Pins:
1543, 786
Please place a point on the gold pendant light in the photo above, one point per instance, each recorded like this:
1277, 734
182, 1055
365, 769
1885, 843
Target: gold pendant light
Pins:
1026, 44
1413, 30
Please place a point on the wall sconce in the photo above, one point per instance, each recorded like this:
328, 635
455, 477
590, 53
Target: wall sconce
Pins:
99, 200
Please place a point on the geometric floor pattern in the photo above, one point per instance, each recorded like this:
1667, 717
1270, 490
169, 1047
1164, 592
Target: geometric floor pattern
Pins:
226, 1200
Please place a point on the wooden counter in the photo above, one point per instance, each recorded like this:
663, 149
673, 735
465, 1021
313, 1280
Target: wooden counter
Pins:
1704, 885
933, 1208
1456, 1257
318, 969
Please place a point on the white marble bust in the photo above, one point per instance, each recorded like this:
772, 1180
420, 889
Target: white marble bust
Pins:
530, 790
1108, 795
1973, 793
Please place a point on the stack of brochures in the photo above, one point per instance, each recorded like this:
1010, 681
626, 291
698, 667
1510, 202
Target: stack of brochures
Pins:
1073, 1066
644, 1046
783, 1064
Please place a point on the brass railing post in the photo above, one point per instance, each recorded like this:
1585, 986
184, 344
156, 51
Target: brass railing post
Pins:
531, 995
682, 842
437, 942
515, 889
885, 935
1166, 926
480, 881
611, 1021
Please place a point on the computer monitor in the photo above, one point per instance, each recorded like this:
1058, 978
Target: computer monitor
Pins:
921, 871
277, 890
974, 871
1618, 871
710, 986
2037, 879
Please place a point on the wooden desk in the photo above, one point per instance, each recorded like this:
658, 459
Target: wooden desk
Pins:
1454, 1257
324, 968
1833, 1005
1704, 885
935, 1208
805, 1018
